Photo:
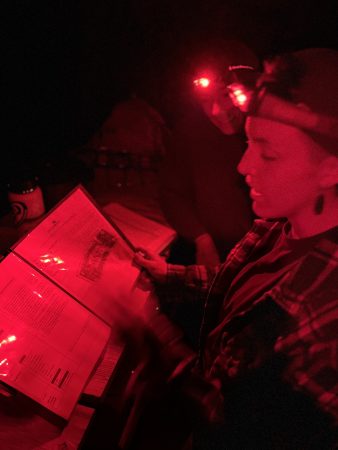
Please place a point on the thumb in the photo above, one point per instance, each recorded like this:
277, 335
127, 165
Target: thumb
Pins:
143, 261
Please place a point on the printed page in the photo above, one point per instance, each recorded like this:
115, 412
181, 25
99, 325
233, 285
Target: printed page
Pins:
72, 435
77, 247
143, 232
100, 378
49, 344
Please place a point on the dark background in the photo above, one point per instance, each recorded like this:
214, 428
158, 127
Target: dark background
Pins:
66, 63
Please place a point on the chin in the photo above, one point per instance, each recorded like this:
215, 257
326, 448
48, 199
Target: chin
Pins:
264, 212
229, 131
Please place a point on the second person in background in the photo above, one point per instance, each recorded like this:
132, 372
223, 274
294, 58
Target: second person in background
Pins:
201, 193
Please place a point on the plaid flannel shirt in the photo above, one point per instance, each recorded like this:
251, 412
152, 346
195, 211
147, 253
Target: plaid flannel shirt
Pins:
308, 294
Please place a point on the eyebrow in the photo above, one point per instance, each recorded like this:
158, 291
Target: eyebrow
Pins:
257, 139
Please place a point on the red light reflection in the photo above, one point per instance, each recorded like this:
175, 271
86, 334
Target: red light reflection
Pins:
3, 366
8, 340
4, 362
52, 261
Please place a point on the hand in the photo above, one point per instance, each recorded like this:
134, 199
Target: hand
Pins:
155, 265
206, 252
128, 322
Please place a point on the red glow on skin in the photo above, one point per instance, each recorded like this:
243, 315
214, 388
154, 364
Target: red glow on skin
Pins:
282, 173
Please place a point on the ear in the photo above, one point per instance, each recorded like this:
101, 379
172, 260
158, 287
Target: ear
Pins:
328, 172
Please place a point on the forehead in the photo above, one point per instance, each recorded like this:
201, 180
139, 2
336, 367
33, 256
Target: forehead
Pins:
257, 127
284, 139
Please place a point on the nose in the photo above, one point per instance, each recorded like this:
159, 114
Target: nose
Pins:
246, 166
215, 109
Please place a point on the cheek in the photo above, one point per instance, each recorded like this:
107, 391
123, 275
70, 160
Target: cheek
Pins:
206, 105
215, 110
287, 184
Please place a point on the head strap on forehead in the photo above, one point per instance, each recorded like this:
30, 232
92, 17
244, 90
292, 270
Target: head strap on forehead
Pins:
239, 67
275, 108
282, 88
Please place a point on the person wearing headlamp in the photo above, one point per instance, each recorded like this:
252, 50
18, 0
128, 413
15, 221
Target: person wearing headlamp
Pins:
201, 193
267, 373
218, 101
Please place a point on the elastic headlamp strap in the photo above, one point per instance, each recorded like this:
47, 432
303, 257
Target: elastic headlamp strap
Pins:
256, 99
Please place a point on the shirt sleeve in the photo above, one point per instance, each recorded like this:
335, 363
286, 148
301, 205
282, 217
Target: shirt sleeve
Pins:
180, 366
187, 283
311, 346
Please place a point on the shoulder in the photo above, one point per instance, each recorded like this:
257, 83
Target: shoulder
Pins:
310, 290
262, 233
329, 244
261, 229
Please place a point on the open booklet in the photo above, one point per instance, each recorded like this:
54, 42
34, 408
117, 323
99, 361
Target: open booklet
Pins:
142, 231
57, 286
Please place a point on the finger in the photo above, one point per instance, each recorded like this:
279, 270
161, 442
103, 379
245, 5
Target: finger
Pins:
142, 261
145, 253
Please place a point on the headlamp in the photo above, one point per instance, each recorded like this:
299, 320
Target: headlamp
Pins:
241, 96
260, 102
211, 82
202, 82
250, 93
208, 84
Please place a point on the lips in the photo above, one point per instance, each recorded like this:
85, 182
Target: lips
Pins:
253, 191
255, 194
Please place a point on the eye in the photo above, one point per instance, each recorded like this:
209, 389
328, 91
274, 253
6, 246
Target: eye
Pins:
262, 148
268, 157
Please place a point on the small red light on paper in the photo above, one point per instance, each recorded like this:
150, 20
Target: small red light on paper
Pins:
8, 340
51, 259
3, 364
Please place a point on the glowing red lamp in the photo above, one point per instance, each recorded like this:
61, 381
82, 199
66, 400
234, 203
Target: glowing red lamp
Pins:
202, 82
240, 96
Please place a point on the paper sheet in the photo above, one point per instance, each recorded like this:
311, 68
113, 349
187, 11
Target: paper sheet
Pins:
140, 230
81, 251
49, 344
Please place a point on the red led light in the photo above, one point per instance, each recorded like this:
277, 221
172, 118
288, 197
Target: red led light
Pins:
241, 98
202, 82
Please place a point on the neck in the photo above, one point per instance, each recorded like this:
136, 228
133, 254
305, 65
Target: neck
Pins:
311, 224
